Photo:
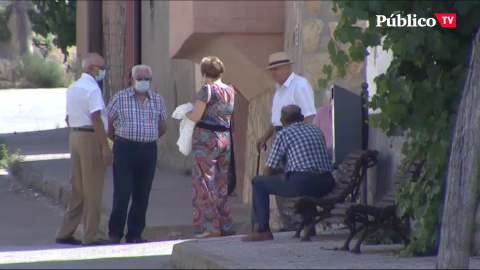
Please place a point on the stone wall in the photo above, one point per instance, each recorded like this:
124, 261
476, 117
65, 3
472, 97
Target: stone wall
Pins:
174, 79
317, 27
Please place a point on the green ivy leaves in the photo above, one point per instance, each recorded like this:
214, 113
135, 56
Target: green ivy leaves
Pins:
417, 93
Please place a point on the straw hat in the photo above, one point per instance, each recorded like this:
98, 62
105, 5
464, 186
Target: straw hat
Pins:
278, 59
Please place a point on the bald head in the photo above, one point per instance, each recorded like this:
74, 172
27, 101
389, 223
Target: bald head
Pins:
291, 114
92, 60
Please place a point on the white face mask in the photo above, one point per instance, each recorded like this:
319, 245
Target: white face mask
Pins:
142, 86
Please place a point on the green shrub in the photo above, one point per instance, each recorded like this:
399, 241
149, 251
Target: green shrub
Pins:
3, 151
9, 160
42, 72
3, 156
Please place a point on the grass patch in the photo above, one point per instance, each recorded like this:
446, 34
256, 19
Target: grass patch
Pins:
8, 160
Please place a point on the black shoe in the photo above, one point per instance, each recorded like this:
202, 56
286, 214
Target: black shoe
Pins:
286, 230
138, 240
115, 240
99, 242
68, 241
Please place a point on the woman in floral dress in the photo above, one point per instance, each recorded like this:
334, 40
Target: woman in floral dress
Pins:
211, 152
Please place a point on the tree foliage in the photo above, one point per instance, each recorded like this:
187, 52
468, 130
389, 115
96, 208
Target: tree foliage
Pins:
418, 93
5, 12
58, 18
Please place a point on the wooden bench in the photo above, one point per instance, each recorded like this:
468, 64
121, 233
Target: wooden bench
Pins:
382, 214
351, 173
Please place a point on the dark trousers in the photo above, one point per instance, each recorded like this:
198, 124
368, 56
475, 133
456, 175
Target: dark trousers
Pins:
293, 185
133, 171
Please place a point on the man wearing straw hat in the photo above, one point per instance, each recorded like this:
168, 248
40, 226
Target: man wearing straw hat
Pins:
291, 89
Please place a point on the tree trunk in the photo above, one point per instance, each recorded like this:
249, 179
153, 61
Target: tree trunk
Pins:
21, 31
460, 198
20, 28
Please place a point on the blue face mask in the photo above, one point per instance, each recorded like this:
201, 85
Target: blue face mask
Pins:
142, 86
101, 75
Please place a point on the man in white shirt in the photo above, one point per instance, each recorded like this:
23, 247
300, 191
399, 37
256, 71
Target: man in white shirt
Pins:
90, 154
291, 89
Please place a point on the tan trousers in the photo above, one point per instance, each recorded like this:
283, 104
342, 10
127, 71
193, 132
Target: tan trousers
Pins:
87, 177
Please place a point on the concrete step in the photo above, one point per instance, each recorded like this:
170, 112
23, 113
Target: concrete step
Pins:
284, 252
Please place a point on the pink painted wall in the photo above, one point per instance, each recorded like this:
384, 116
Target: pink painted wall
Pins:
238, 16
223, 17
180, 25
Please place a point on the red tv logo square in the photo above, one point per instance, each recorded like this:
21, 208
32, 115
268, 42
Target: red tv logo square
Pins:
447, 19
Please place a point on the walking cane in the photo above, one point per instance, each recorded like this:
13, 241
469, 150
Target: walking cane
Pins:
258, 158
258, 162
258, 167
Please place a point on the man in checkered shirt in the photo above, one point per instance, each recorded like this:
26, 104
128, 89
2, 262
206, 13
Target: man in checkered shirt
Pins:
136, 120
299, 165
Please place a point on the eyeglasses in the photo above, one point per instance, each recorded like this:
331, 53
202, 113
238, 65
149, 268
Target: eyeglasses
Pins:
143, 79
101, 67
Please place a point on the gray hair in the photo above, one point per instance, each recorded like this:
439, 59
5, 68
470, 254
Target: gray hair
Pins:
292, 114
89, 60
134, 69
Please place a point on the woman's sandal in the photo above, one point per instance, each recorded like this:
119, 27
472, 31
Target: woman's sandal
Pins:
207, 235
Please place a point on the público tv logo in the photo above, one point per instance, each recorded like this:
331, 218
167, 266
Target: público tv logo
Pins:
396, 20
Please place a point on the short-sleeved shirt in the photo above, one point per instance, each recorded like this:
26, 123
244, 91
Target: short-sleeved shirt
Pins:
295, 91
84, 97
220, 106
300, 147
134, 120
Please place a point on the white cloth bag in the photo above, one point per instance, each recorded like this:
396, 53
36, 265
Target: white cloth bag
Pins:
186, 125
186, 128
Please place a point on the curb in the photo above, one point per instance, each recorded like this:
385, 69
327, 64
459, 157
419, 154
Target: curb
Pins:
198, 254
185, 256
29, 177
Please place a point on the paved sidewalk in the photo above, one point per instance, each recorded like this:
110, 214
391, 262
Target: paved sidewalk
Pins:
27, 238
287, 253
169, 215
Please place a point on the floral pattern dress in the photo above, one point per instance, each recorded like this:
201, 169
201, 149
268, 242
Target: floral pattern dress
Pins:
211, 155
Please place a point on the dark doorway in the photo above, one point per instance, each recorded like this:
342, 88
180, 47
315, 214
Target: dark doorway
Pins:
138, 32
